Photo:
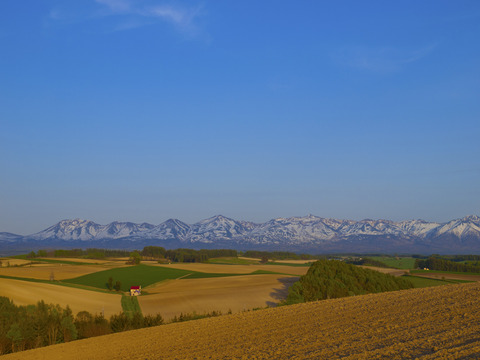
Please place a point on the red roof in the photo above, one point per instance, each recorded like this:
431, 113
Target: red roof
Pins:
135, 288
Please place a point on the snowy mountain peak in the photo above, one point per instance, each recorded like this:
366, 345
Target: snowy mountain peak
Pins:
309, 231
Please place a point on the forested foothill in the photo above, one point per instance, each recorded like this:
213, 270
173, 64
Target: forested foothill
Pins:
328, 279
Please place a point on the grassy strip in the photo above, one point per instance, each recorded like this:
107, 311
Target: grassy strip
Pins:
421, 282
130, 305
442, 272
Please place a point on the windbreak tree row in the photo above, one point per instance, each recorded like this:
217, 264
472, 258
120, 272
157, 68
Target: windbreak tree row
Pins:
33, 326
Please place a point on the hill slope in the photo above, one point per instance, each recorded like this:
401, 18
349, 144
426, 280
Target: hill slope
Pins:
431, 323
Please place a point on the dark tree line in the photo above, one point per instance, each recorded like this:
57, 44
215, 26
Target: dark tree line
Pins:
328, 279
91, 253
436, 263
148, 252
33, 326
368, 262
278, 255
186, 255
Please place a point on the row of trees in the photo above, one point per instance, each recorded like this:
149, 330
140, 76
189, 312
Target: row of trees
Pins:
91, 253
366, 261
149, 252
327, 279
278, 255
436, 263
186, 255
110, 285
33, 326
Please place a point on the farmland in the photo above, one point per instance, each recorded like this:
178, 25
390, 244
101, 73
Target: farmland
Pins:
168, 289
226, 286
45, 271
235, 293
25, 293
394, 325
396, 262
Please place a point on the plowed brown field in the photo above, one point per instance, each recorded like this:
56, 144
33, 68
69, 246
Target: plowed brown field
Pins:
13, 262
43, 271
394, 272
432, 323
236, 293
27, 292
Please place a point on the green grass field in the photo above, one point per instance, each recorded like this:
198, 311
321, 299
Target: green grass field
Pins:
421, 282
397, 263
442, 272
143, 275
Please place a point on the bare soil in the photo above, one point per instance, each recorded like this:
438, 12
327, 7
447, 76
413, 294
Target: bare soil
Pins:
13, 262
44, 271
394, 272
26, 293
431, 323
235, 293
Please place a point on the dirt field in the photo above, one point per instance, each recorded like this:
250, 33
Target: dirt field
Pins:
92, 261
236, 293
13, 262
238, 269
394, 272
432, 323
298, 262
25, 293
43, 271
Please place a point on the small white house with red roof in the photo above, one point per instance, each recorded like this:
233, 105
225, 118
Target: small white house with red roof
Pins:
135, 290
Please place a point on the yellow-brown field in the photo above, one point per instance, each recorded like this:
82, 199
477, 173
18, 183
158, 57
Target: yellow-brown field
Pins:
238, 269
80, 260
297, 262
391, 271
27, 292
13, 262
430, 323
235, 293
44, 271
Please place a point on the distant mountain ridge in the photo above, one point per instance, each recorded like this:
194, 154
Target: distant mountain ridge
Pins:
309, 234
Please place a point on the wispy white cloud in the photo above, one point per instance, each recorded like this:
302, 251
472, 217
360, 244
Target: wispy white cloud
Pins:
135, 15
180, 17
384, 60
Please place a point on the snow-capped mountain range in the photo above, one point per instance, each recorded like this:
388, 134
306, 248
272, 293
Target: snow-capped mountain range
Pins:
309, 233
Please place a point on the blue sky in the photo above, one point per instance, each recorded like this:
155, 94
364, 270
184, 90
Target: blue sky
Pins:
148, 110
